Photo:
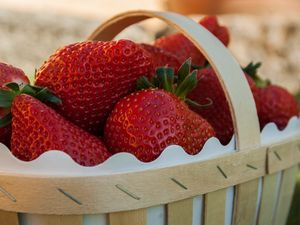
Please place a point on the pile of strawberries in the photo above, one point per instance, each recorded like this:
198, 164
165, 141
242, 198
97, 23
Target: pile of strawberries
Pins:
93, 99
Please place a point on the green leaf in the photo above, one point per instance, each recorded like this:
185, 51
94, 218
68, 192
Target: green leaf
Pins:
13, 86
184, 70
166, 76
28, 89
251, 69
6, 98
144, 83
4, 121
187, 85
45, 95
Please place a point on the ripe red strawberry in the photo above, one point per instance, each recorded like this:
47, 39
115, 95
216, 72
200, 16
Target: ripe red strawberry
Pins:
221, 32
162, 57
218, 114
38, 128
276, 105
90, 77
180, 46
146, 122
9, 74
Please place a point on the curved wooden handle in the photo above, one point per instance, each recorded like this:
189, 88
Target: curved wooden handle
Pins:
229, 72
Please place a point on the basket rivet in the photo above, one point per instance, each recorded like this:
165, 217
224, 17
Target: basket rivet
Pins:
277, 156
123, 189
69, 196
222, 172
7, 194
178, 183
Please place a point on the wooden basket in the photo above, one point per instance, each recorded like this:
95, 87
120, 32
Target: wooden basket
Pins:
123, 198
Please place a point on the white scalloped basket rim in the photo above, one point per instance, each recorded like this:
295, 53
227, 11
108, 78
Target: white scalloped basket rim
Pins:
57, 163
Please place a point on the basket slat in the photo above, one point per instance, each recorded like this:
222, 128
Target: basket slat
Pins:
8, 218
181, 212
283, 155
285, 195
245, 207
134, 217
214, 207
112, 199
268, 200
34, 219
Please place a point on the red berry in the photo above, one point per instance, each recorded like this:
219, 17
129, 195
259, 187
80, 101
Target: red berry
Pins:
162, 57
180, 46
218, 114
91, 77
9, 74
276, 105
38, 128
146, 122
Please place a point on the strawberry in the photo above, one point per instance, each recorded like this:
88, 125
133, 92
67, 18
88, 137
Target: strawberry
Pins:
90, 77
275, 104
162, 57
146, 122
183, 48
218, 114
9, 74
221, 32
38, 128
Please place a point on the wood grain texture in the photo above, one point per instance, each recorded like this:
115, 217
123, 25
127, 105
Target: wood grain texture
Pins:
283, 155
214, 207
134, 217
245, 203
199, 178
228, 70
180, 213
285, 195
8, 218
34, 219
268, 199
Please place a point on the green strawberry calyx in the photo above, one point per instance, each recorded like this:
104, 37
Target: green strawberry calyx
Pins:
251, 70
13, 89
180, 84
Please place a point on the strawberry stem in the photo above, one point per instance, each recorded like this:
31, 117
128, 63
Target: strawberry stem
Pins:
180, 85
197, 105
251, 70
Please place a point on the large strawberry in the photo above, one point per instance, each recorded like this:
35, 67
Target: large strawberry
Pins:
9, 74
146, 122
218, 114
162, 57
275, 104
179, 45
38, 128
90, 77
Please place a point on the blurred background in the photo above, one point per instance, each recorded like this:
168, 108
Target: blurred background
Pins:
261, 30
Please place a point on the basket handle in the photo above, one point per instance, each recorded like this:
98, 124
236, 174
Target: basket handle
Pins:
230, 75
